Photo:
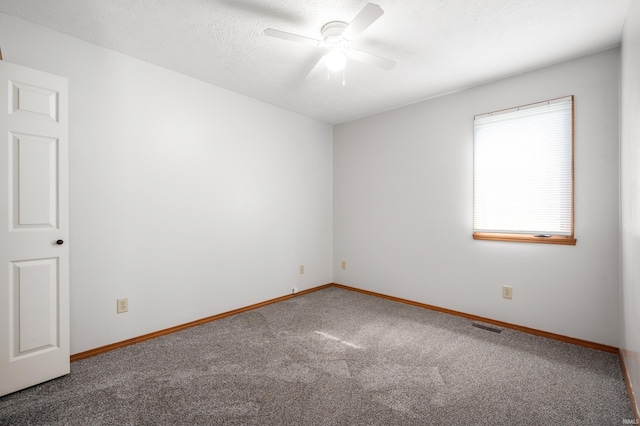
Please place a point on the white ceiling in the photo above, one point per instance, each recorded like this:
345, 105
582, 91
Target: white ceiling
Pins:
439, 45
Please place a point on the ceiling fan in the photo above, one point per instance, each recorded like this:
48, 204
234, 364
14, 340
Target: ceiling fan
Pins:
337, 37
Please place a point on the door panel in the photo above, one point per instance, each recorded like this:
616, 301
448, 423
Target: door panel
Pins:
34, 184
35, 306
27, 99
34, 267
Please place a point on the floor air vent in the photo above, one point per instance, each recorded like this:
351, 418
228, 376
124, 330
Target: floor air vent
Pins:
486, 327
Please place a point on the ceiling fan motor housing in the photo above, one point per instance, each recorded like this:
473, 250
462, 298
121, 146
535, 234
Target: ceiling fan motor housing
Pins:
332, 33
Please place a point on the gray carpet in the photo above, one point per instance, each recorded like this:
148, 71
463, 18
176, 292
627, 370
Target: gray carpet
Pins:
333, 357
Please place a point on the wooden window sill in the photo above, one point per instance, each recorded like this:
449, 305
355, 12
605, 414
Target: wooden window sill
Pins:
525, 238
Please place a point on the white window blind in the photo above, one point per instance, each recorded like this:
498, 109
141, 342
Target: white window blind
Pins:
523, 170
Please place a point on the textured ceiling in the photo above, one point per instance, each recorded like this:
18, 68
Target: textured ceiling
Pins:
439, 45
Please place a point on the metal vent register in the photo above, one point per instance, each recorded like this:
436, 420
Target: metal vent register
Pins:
486, 327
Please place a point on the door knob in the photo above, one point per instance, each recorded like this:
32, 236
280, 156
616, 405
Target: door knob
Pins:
59, 242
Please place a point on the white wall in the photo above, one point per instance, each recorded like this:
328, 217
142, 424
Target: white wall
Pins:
188, 199
191, 200
630, 195
403, 202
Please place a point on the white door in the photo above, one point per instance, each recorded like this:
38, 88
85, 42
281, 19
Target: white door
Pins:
34, 228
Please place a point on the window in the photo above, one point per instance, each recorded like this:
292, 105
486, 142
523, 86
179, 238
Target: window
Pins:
523, 174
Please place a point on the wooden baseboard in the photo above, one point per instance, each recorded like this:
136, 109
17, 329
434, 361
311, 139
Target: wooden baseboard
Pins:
627, 379
107, 348
585, 343
117, 345
566, 339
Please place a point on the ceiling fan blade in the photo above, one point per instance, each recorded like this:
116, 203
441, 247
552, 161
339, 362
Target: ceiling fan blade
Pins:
367, 16
371, 59
291, 37
317, 68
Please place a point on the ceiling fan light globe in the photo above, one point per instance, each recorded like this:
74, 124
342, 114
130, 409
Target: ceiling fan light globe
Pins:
335, 60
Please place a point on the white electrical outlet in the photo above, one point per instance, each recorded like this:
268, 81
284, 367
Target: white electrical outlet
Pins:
294, 290
507, 292
301, 269
344, 264
123, 305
